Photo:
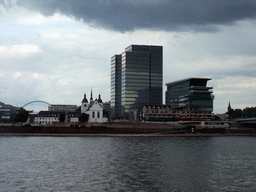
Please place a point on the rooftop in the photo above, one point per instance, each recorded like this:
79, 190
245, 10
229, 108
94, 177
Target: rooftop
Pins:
188, 79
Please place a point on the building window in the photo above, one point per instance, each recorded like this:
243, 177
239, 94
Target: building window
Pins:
93, 114
98, 114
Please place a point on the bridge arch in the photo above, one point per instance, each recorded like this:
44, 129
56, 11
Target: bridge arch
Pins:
37, 101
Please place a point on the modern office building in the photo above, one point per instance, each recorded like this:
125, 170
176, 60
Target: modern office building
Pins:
190, 94
116, 87
136, 79
7, 113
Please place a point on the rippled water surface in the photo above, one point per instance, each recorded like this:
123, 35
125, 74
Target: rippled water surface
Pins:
127, 164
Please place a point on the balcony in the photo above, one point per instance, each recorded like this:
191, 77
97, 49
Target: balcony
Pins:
200, 87
202, 97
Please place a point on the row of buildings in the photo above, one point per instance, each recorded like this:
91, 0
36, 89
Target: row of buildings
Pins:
137, 87
137, 93
97, 111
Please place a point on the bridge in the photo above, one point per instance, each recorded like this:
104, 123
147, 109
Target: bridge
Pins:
37, 101
247, 122
36, 106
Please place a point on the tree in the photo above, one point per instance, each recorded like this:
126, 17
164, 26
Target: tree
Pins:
238, 113
216, 118
105, 113
84, 117
249, 112
21, 116
62, 117
78, 108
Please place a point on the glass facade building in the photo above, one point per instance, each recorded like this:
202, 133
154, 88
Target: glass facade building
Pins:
190, 94
116, 86
141, 80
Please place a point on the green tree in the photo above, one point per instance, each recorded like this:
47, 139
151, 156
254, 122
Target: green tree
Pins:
21, 116
216, 118
62, 117
231, 113
105, 113
249, 112
78, 108
239, 113
84, 117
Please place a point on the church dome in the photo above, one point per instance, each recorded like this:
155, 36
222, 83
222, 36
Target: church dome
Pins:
99, 100
84, 99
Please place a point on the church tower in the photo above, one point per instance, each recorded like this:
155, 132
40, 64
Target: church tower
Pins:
84, 105
91, 99
100, 101
229, 107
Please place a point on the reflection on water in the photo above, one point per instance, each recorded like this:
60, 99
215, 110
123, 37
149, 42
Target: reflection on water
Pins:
127, 164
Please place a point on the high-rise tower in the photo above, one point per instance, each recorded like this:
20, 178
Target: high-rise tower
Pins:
136, 79
116, 86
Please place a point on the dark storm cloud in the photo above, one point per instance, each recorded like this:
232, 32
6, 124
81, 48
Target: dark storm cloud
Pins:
125, 15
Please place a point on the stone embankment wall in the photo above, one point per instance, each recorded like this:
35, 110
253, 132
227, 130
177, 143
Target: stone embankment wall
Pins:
138, 125
118, 128
84, 130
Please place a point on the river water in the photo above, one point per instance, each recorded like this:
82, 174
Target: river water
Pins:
127, 164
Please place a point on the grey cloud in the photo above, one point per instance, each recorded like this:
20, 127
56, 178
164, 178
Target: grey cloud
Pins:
162, 14
247, 70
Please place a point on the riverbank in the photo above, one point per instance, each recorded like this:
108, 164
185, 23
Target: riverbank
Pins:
121, 135
121, 130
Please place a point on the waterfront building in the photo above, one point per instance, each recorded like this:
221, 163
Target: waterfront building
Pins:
94, 109
167, 113
136, 79
190, 94
50, 117
62, 108
7, 113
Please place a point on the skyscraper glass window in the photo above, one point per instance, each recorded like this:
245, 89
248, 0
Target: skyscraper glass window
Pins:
141, 72
116, 86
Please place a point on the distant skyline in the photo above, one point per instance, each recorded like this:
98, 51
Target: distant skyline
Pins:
56, 51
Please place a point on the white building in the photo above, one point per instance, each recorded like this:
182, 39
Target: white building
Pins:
94, 109
49, 117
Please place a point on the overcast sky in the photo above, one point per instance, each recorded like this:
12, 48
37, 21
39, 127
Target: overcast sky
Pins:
56, 51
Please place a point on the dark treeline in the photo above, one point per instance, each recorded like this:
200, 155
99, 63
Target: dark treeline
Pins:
239, 113
21, 116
